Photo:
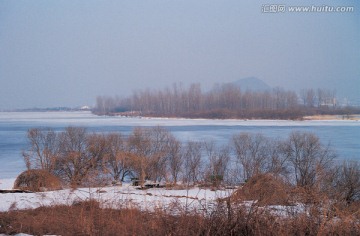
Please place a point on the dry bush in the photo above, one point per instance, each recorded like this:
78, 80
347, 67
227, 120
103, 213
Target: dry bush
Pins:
37, 181
347, 182
308, 224
267, 189
237, 219
88, 218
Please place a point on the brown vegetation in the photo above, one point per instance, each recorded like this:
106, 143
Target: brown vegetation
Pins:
224, 101
79, 158
88, 218
266, 189
298, 170
37, 181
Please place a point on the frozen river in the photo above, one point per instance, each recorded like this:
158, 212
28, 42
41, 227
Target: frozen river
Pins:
343, 135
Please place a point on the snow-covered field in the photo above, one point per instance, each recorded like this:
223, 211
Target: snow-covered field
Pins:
115, 197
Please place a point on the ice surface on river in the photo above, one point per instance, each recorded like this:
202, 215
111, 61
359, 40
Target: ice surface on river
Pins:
87, 118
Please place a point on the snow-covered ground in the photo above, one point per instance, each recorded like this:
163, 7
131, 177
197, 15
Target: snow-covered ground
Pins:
115, 197
126, 196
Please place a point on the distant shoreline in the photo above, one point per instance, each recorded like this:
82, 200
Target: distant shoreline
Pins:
352, 117
355, 117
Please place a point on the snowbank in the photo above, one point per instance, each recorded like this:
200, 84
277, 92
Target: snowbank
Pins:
115, 197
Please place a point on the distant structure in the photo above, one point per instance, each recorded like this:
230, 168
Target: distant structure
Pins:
85, 108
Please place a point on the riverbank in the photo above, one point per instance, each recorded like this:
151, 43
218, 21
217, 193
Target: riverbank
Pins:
354, 117
333, 117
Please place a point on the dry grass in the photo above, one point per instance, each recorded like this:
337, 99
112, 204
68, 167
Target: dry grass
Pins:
37, 181
321, 215
88, 218
267, 189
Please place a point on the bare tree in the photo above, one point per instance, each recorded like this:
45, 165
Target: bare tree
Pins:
96, 152
278, 160
140, 146
308, 157
117, 157
193, 162
42, 151
175, 159
160, 138
75, 161
218, 162
151, 147
310, 98
320, 97
252, 152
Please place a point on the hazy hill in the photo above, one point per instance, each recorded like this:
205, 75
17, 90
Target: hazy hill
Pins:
252, 83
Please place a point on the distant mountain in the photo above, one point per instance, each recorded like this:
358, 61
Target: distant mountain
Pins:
252, 83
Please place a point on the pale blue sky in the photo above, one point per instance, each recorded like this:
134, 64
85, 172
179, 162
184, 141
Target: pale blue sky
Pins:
65, 53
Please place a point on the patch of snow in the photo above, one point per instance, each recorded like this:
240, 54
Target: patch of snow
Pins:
117, 197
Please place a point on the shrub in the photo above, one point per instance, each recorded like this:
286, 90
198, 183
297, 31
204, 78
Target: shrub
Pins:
37, 181
267, 189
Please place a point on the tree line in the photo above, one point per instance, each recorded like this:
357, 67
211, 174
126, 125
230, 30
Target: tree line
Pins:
223, 101
81, 158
